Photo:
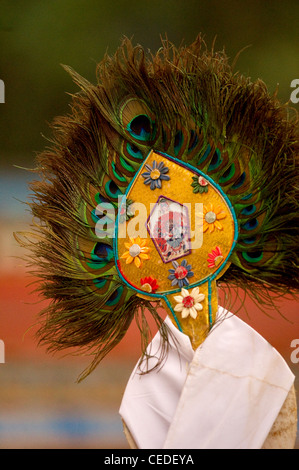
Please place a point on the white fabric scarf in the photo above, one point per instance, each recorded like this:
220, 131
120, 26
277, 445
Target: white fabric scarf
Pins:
225, 395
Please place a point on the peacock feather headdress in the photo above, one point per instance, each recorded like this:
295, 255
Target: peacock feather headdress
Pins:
176, 127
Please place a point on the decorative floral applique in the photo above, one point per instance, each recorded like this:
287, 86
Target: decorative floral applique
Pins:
154, 175
215, 258
180, 274
126, 212
149, 284
200, 184
211, 217
137, 251
188, 303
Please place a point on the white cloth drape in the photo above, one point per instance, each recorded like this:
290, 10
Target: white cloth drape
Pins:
225, 395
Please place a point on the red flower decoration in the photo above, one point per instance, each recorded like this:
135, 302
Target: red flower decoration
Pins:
215, 258
149, 284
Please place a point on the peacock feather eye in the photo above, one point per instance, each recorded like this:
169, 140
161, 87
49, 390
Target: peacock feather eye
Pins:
228, 174
240, 181
250, 224
99, 282
117, 175
253, 256
102, 200
140, 127
203, 158
126, 165
103, 251
194, 139
100, 256
134, 151
115, 296
250, 240
112, 189
248, 196
215, 162
178, 142
249, 210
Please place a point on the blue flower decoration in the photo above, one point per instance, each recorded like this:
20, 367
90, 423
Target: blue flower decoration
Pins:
155, 174
180, 274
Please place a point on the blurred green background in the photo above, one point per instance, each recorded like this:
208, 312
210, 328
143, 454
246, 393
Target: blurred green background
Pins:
40, 403
37, 36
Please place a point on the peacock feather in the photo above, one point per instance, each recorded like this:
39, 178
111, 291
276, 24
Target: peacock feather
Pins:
188, 103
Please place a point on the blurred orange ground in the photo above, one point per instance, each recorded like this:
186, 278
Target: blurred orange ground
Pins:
42, 406
19, 314
20, 307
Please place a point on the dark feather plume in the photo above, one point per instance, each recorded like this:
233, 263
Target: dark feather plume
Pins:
191, 104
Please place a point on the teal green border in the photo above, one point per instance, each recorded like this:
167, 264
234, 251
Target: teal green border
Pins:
208, 279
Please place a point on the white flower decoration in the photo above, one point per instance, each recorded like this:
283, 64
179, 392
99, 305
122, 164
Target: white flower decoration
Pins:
189, 302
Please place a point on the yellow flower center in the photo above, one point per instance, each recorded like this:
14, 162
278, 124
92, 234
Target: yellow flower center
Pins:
147, 287
155, 174
218, 260
210, 217
134, 250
